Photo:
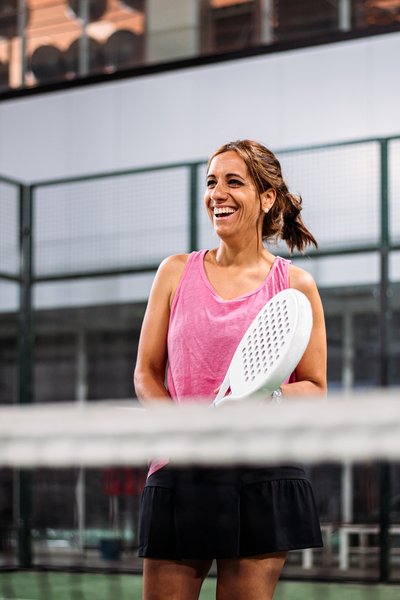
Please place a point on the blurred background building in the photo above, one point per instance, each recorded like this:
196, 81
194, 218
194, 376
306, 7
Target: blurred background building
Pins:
51, 41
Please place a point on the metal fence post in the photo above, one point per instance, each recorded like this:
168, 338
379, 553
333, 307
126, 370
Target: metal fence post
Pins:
25, 370
193, 196
384, 324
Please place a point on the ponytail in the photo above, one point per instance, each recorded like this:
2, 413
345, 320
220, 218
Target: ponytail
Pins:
284, 222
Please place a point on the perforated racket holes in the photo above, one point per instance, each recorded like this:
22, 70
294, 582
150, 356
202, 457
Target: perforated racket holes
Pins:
264, 343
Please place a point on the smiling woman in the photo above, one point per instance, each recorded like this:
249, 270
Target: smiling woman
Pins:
191, 516
259, 168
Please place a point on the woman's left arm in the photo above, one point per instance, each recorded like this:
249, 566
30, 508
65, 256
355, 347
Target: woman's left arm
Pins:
310, 373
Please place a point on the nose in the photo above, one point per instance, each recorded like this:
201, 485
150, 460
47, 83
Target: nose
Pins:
218, 192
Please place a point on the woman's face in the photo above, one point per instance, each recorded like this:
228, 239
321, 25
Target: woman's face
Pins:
231, 197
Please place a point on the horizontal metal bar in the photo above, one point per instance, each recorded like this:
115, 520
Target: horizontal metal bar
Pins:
121, 173
10, 277
94, 274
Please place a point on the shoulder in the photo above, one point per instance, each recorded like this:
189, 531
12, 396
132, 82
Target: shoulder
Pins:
169, 274
173, 266
301, 280
174, 262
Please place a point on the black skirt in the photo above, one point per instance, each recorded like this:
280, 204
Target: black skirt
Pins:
204, 513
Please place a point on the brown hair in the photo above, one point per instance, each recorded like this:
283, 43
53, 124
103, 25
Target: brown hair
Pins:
283, 221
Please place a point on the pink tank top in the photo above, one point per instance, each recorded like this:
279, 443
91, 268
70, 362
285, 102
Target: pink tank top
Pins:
204, 330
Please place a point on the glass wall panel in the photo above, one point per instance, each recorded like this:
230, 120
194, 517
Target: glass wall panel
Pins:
293, 19
56, 41
66, 39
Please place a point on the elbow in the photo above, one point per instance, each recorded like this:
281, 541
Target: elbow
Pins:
321, 389
139, 379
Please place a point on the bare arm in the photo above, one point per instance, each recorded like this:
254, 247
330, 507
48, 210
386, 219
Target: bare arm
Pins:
311, 370
149, 376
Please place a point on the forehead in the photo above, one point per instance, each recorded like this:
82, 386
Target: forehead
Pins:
227, 162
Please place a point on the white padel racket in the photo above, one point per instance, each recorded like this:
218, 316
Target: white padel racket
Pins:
270, 349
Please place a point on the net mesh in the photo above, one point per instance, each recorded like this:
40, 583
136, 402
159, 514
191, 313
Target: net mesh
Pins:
75, 472
104, 433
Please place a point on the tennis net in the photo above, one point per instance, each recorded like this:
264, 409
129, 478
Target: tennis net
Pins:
72, 475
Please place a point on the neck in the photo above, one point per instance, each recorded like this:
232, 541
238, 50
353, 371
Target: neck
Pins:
229, 254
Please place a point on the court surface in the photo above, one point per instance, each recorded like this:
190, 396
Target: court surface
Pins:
71, 586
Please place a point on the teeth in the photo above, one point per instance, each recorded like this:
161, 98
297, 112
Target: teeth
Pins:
223, 210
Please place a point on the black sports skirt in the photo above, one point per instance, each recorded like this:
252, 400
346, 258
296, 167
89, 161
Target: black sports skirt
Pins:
196, 513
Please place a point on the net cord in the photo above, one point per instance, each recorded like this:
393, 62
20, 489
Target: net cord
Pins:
339, 428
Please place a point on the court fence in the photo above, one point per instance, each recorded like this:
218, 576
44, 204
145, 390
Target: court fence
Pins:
77, 256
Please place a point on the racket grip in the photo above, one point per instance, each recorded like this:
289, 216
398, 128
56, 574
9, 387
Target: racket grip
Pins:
222, 390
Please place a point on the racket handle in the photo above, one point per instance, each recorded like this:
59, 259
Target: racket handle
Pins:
222, 390
274, 397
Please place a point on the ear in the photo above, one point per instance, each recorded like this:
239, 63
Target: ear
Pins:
267, 199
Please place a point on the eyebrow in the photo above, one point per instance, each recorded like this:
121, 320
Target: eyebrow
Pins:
227, 175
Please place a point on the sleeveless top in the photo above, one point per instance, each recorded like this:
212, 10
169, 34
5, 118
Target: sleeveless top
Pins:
204, 330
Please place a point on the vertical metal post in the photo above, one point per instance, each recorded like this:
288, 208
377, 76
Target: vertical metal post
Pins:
193, 198
384, 324
84, 40
81, 397
347, 493
384, 313
348, 351
22, 38
344, 15
25, 368
267, 31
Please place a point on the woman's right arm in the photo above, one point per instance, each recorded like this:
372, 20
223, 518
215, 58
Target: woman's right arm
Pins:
149, 376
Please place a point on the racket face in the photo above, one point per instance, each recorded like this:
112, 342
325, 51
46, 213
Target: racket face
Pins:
273, 345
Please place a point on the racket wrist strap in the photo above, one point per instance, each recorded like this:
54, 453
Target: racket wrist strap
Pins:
277, 396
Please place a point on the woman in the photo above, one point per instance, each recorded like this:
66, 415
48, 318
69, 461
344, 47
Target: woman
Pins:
200, 305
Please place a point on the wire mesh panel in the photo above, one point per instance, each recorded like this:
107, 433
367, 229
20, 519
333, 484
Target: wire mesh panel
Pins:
349, 270
9, 303
394, 190
340, 189
94, 291
394, 267
9, 228
118, 222
9, 296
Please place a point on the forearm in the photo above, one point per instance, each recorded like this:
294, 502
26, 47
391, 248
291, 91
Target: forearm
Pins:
150, 389
306, 388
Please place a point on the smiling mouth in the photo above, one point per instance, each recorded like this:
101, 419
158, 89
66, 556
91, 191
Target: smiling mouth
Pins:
223, 212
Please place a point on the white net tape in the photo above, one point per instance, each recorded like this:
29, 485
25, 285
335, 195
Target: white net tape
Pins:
351, 428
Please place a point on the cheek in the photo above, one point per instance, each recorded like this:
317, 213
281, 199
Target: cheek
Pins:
207, 201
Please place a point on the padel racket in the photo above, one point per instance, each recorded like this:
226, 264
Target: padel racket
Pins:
270, 349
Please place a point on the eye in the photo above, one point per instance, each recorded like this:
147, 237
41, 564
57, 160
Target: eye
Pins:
235, 182
210, 183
